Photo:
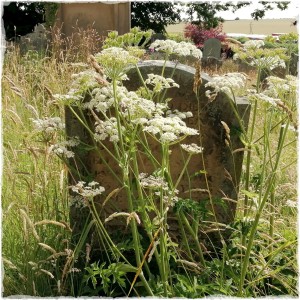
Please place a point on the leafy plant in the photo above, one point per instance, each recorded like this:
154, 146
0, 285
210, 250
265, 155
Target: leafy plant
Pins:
199, 34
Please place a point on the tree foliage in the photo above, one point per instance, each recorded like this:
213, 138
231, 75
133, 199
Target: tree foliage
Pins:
154, 15
19, 18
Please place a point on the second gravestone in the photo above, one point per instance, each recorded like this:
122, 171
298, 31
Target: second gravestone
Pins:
212, 178
212, 53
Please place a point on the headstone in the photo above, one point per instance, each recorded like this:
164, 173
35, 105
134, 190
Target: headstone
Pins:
157, 36
222, 167
212, 52
212, 48
37, 40
294, 62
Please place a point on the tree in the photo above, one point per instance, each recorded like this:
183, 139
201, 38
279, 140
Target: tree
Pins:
20, 18
154, 15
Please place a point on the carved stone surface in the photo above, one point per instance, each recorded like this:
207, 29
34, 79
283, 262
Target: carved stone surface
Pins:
212, 53
222, 167
212, 48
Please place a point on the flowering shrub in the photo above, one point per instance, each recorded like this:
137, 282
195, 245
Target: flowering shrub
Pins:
199, 35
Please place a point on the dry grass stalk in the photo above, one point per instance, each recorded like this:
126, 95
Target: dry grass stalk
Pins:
30, 223
47, 247
44, 222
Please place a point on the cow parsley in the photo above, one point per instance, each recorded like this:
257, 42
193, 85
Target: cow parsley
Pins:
169, 129
226, 83
172, 47
88, 190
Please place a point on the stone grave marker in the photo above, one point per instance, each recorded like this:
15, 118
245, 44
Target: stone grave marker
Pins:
294, 64
222, 167
212, 48
212, 52
157, 36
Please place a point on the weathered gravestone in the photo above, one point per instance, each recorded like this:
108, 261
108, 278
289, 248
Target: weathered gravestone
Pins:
212, 53
294, 64
37, 40
157, 36
222, 167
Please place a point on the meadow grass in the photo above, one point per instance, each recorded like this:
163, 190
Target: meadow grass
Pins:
36, 241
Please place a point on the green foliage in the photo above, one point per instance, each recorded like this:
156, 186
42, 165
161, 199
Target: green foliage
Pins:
50, 13
242, 39
154, 15
133, 38
177, 37
106, 279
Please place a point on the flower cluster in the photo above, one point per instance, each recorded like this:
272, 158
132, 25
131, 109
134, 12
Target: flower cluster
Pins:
268, 62
179, 114
170, 198
226, 83
278, 91
48, 125
170, 129
138, 110
90, 190
253, 44
152, 182
82, 82
115, 60
172, 47
77, 202
102, 99
265, 98
159, 82
61, 149
105, 129
281, 87
133, 107
192, 148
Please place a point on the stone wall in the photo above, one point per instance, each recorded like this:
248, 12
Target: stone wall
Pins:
103, 17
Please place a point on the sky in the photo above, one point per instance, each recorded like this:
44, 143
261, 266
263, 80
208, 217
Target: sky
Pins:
245, 13
292, 12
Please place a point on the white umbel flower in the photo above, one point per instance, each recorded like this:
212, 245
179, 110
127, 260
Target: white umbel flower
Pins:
152, 182
105, 129
48, 125
115, 60
172, 47
61, 149
253, 44
88, 190
226, 83
169, 129
192, 148
269, 62
160, 83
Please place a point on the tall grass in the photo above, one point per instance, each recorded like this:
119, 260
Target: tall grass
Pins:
38, 255
34, 181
